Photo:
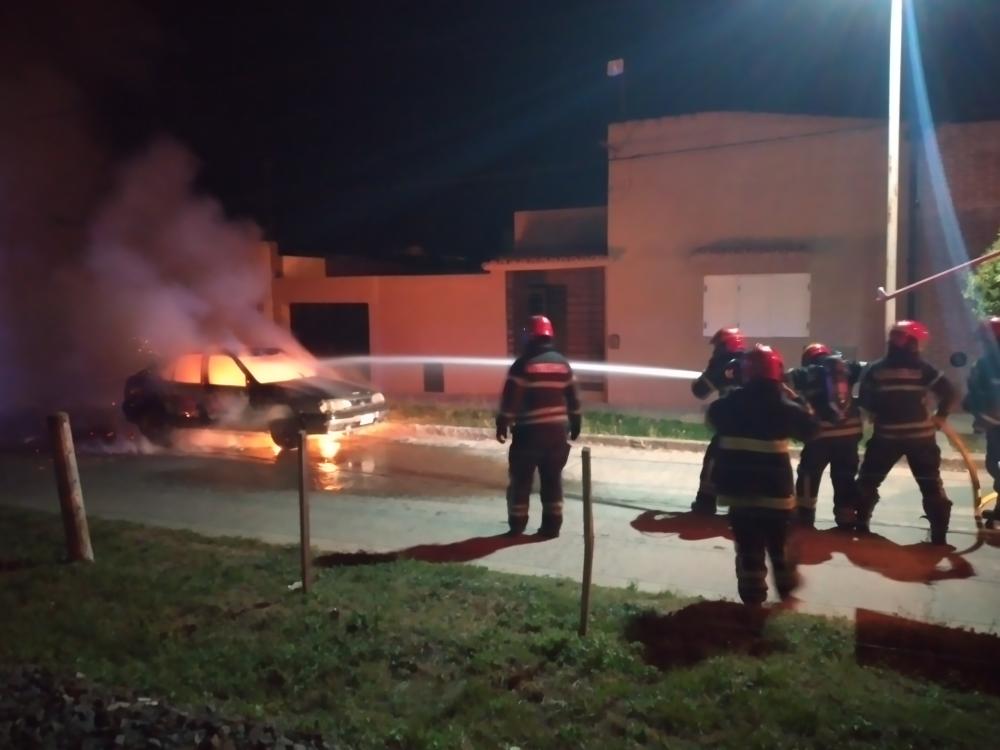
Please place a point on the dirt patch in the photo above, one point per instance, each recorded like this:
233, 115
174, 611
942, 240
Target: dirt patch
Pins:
698, 632
952, 656
347, 559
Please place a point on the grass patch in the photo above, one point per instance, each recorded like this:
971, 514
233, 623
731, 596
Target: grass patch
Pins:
598, 423
415, 655
594, 422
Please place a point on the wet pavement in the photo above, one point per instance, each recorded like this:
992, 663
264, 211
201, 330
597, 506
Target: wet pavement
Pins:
383, 495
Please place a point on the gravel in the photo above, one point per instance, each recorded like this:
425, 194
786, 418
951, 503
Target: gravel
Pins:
41, 710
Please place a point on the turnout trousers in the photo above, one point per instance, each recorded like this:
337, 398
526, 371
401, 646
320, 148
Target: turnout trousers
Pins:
543, 448
760, 533
924, 458
841, 455
993, 455
705, 501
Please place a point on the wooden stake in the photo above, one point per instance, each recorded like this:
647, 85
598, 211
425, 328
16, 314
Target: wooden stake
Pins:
588, 544
304, 545
74, 515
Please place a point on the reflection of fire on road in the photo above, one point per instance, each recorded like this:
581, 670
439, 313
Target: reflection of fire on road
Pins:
327, 470
329, 459
250, 444
329, 446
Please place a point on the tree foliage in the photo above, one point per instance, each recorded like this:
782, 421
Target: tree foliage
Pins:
982, 287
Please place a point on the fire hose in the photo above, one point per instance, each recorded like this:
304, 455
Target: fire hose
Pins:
978, 502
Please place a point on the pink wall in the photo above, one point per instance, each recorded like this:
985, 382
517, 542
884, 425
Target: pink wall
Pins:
461, 315
677, 184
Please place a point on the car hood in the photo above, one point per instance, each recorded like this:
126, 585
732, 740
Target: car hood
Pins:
320, 387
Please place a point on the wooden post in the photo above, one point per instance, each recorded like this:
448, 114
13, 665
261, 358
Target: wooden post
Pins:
588, 544
304, 545
74, 515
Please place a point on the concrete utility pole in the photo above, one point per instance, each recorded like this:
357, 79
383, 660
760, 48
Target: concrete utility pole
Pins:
892, 212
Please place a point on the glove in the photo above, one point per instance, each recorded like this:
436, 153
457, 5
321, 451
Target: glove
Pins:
575, 422
501, 430
939, 420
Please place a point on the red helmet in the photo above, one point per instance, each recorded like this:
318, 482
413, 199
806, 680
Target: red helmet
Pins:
908, 334
729, 339
764, 363
990, 329
540, 327
814, 351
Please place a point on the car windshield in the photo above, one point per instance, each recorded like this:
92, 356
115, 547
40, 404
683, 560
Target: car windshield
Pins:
277, 366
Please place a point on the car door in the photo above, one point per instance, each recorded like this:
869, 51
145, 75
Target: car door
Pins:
185, 395
227, 392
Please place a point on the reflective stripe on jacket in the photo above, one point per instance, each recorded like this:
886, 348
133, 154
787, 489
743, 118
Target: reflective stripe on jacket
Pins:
895, 391
540, 390
754, 424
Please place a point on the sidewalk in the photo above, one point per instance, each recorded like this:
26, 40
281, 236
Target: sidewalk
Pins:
951, 459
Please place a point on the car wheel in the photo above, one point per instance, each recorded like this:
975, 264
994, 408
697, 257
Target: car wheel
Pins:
152, 423
285, 433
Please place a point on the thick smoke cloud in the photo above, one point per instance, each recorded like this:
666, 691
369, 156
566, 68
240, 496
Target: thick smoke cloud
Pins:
170, 267
103, 261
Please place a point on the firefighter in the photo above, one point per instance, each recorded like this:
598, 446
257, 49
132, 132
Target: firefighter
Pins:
983, 398
894, 392
825, 381
721, 375
539, 403
753, 471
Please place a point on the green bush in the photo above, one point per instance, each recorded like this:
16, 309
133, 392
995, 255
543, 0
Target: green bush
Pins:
982, 287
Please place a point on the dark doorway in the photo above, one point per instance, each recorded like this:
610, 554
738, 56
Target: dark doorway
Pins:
573, 299
331, 329
550, 300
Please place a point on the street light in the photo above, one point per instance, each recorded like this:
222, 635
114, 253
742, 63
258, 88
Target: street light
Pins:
892, 213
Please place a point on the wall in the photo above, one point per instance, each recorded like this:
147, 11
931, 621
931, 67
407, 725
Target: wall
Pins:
680, 184
949, 234
461, 315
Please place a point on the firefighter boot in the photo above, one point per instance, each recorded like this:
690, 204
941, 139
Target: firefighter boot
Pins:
704, 504
939, 516
548, 531
867, 500
551, 521
517, 514
846, 517
992, 518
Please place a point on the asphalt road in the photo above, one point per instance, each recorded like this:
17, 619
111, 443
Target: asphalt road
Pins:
442, 499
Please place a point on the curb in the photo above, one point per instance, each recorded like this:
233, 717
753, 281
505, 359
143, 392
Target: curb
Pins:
949, 463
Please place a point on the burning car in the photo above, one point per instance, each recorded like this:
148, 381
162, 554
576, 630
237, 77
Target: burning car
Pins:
258, 389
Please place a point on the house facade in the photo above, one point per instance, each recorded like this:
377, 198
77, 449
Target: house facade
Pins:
775, 223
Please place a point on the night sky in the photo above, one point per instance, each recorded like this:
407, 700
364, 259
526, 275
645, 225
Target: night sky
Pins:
368, 127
